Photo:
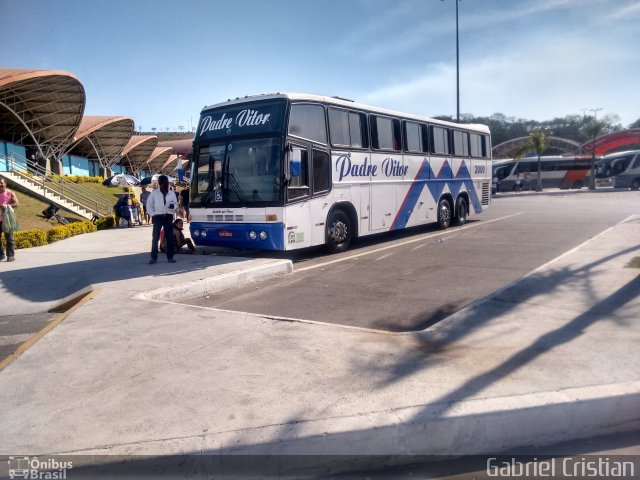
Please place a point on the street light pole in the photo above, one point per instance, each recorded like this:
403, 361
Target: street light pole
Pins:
592, 180
457, 65
457, 68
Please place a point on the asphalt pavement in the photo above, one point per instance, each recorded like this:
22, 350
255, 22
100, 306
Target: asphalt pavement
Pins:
131, 370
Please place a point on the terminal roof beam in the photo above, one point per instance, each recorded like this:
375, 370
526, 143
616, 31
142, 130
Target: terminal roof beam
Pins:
137, 151
40, 108
102, 138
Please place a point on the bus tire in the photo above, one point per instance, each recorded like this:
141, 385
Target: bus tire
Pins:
444, 213
635, 185
461, 211
339, 231
578, 184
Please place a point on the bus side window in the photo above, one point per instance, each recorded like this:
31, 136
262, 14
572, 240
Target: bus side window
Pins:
385, 133
307, 121
440, 139
321, 166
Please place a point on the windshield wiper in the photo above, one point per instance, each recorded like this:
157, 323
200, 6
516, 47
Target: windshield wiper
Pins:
235, 187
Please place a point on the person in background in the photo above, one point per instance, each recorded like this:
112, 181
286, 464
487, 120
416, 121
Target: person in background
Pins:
7, 199
123, 210
143, 198
184, 198
162, 205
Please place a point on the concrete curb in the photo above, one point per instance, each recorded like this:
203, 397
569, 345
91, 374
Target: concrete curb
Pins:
205, 286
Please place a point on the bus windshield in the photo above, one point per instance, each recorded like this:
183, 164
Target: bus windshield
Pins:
238, 172
238, 155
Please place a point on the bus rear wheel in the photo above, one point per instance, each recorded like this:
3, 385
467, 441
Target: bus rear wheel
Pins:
578, 184
339, 231
444, 213
461, 211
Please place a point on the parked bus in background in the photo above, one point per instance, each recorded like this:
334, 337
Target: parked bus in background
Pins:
557, 172
288, 171
622, 169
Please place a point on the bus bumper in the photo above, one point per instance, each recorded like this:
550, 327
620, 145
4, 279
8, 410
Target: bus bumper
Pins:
268, 236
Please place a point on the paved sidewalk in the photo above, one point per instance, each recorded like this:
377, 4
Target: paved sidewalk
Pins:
550, 358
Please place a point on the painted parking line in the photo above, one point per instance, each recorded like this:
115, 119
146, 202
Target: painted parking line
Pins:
421, 238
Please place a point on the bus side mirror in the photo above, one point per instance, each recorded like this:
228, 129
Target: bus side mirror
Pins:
295, 163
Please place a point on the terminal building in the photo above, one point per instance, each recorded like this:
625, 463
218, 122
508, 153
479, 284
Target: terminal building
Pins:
43, 125
45, 135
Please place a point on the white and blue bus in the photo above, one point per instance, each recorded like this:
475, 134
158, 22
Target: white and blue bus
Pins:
289, 171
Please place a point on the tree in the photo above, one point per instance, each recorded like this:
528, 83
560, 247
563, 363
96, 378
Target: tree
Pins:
538, 141
635, 124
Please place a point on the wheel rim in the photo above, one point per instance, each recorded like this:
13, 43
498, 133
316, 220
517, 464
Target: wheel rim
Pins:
338, 231
445, 214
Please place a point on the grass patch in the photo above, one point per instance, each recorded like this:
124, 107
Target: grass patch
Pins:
29, 214
634, 263
108, 193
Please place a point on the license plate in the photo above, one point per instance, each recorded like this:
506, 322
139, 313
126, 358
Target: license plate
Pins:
225, 233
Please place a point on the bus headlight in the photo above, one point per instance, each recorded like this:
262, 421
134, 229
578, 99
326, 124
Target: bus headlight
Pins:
263, 235
203, 233
252, 235
196, 233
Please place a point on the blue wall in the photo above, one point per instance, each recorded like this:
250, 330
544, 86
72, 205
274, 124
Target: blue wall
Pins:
72, 165
6, 149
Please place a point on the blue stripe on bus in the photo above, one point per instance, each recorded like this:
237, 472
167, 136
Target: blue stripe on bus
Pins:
465, 176
236, 235
436, 185
415, 190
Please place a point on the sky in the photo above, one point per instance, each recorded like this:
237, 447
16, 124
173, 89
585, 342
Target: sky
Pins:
161, 61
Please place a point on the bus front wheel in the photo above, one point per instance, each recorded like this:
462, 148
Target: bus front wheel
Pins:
461, 211
444, 213
339, 231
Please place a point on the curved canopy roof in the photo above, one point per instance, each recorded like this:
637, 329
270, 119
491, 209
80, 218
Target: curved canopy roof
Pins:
102, 138
40, 108
509, 148
183, 147
170, 165
138, 150
159, 158
612, 141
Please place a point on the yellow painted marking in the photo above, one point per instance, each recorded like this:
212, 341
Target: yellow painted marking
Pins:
50, 326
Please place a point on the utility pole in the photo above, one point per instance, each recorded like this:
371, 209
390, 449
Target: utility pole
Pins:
592, 180
457, 65
457, 68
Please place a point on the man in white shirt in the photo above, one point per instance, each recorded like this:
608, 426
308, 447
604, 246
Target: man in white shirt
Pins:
162, 204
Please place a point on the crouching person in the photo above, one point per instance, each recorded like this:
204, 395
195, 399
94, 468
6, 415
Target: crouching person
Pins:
179, 239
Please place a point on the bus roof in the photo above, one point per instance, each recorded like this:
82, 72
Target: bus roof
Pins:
340, 102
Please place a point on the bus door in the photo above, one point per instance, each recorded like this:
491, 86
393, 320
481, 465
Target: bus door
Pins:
298, 217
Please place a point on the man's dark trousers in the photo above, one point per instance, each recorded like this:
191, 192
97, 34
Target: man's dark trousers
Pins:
160, 221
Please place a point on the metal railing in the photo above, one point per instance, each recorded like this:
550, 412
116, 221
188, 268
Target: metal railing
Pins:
58, 185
